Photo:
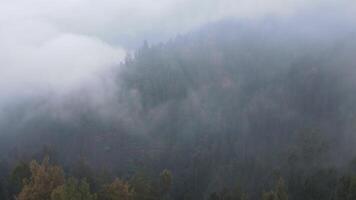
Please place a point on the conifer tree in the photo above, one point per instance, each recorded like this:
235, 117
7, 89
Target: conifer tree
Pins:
165, 183
73, 190
279, 193
117, 190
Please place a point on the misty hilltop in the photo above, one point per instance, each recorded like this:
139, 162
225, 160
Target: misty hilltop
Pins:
235, 102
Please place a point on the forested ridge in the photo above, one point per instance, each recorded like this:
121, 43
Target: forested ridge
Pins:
230, 111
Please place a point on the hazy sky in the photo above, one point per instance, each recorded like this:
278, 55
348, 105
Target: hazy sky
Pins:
57, 44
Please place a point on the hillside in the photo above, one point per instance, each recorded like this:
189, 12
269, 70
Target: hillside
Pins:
231, 104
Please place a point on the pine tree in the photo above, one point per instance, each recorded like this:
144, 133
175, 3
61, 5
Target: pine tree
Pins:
238, 194
214, 196
352, 189
165, 183
16, 179
143, 187
268, 196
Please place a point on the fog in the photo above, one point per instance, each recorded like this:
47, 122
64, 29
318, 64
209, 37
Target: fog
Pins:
56, 45
224, 94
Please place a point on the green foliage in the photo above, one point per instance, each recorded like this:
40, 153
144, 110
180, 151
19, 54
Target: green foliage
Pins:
73, 190
117, 190
143, 187
238, 194
346, 188
214, 196
225, 194
165, 181
2, 190
320, 185
268, 196
281, 190
279, 193
3, 183
352, 189
21, 172
82, 170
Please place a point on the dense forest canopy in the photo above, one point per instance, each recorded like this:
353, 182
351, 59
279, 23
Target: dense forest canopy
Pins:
234, 110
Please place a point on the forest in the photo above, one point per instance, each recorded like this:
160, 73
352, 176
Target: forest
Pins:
231, 111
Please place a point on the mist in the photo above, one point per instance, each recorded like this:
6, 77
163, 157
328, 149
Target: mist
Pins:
230, 98
58, 44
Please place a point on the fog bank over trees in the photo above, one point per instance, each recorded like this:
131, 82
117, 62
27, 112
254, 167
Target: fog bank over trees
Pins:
236, 103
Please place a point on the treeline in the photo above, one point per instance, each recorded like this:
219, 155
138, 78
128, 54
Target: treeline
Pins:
46, 181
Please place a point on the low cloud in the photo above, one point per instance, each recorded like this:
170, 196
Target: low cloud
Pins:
58, 44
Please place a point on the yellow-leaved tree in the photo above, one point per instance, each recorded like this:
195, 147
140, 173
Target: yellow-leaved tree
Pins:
44, 179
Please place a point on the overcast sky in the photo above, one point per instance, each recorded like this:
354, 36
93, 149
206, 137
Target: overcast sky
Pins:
58, 44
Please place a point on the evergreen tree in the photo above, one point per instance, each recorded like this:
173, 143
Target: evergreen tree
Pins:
143, 187
117, 190
165, 183
238, 194
346, 188
352, 189
214, 196
279, 193
82, 170
268, 196
226, 194
16, 179
73, 190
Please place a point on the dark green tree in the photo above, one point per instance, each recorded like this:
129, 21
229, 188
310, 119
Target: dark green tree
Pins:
16, 179
214, 196
143, 187
279, 193
73, 190
165, 183
117, 190
346, 188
